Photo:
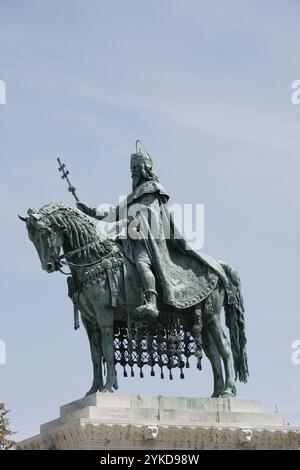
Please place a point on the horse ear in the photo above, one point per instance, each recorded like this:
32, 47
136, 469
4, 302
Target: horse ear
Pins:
23, 218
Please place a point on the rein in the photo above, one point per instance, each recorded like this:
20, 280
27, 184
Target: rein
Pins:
78, 250
59, 259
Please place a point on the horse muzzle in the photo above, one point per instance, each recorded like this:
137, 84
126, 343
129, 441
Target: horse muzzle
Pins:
50, 267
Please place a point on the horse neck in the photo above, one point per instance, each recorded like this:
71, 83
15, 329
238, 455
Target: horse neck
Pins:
82, 236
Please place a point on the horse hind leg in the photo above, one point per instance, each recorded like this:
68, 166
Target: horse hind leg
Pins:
213, 356
213, 323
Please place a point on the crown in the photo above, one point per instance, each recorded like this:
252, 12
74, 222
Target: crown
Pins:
141, 157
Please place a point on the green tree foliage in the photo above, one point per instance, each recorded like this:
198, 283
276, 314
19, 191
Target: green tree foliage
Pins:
5, 442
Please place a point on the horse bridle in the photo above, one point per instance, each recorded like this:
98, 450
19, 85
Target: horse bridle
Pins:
59, 259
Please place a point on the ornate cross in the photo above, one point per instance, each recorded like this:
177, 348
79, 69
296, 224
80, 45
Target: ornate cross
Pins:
65, 174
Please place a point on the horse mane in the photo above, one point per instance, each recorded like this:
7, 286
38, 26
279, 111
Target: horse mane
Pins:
79, 229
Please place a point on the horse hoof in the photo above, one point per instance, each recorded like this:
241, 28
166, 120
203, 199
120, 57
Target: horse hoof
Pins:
228, 394
216, 395
91, 392
107, 390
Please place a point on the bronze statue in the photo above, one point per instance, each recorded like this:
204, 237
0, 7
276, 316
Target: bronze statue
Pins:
145, 298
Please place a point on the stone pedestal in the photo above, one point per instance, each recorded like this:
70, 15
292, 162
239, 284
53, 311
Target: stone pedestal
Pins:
122, 421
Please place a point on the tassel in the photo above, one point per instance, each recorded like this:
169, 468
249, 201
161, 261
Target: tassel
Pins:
76, 316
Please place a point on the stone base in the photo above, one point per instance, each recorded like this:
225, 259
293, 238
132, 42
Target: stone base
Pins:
121, 421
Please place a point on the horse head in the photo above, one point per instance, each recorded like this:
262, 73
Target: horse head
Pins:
57, 226
46, 239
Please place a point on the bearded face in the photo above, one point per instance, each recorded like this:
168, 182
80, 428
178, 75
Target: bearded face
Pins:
136, 175
141, 169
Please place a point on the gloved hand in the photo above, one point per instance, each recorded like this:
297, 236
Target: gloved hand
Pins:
83, 207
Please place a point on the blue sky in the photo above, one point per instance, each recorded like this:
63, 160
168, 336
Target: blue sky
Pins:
207, 87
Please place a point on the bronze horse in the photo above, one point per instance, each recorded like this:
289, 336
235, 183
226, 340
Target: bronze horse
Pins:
105, 288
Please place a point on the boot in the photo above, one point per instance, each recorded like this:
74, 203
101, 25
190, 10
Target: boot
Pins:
149, 307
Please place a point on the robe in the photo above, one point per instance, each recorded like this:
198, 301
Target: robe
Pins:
184, 277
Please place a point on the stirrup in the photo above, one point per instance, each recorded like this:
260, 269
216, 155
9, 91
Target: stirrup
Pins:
148, 308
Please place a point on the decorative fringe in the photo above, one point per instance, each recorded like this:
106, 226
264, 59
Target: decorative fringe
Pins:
197, 334
76, 317
166, 344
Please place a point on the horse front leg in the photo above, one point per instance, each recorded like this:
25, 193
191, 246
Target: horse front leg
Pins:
97, 297
106, 324
94, 336
96, 355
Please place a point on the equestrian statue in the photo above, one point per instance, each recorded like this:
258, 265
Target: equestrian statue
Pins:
145, 297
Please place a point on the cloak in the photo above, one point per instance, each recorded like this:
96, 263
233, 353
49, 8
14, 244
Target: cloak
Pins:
184, 277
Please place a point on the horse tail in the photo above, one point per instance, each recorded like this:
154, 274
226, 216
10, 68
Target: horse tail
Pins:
235, 322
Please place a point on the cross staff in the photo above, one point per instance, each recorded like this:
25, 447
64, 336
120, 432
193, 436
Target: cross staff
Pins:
65, 174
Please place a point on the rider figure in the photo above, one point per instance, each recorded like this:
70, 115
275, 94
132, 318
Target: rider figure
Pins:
139, 207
